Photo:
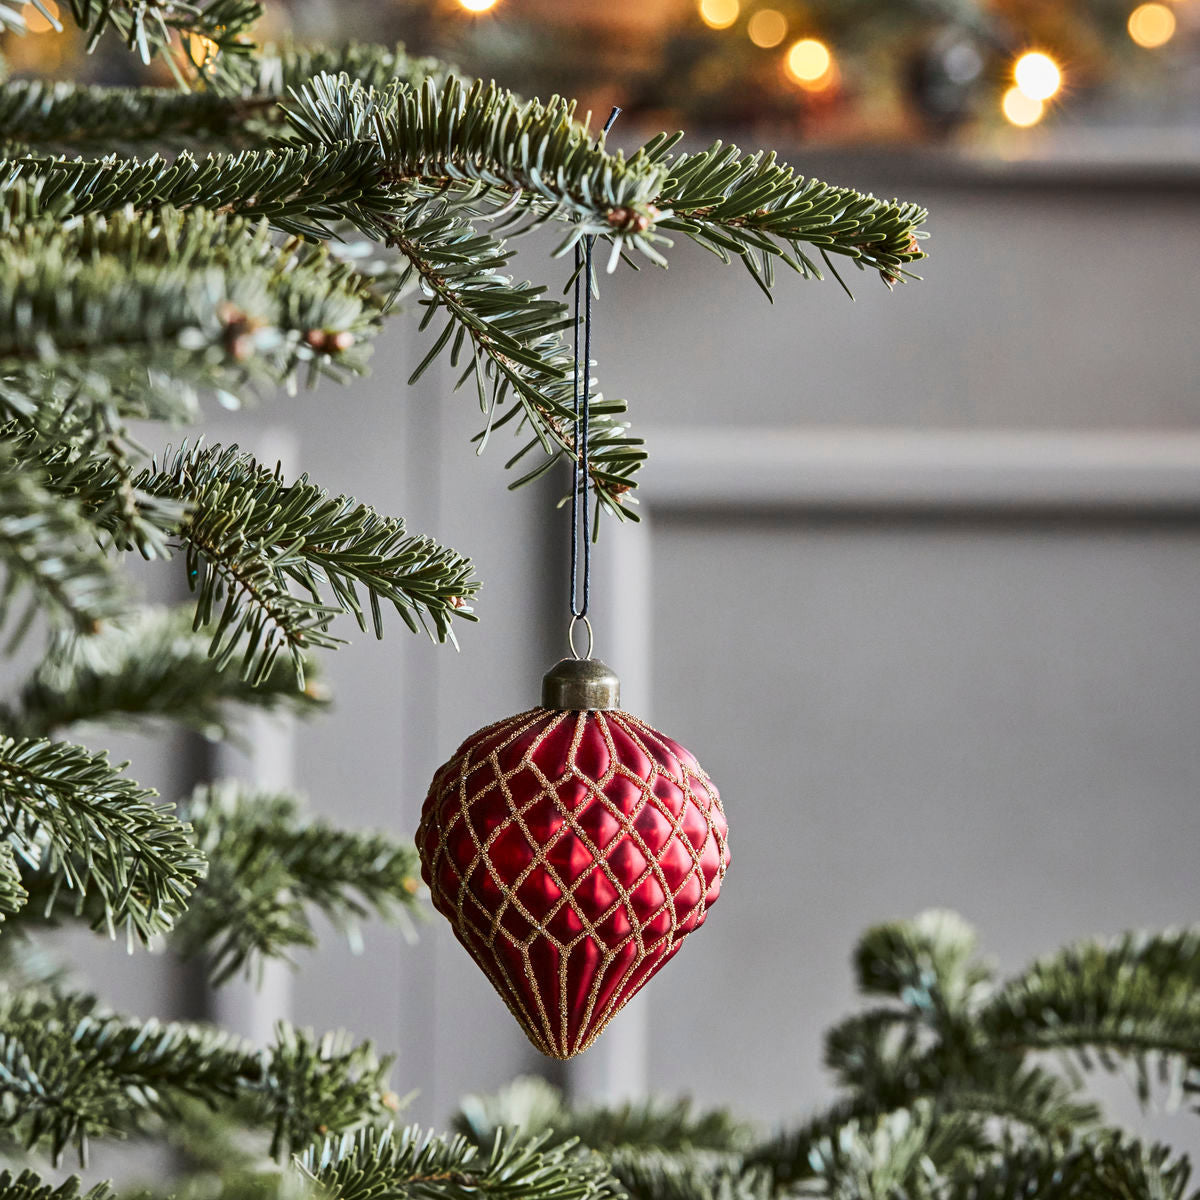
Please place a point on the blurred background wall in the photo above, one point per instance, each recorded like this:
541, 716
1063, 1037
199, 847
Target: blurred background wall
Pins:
917, 580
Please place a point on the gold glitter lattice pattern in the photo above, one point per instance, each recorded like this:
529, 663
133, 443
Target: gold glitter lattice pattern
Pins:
572, 852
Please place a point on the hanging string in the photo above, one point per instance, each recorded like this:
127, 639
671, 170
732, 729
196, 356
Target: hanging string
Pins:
581, 590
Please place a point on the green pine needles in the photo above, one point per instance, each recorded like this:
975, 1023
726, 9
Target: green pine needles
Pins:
947, 1093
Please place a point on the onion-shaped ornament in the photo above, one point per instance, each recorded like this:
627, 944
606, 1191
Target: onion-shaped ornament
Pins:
572, 848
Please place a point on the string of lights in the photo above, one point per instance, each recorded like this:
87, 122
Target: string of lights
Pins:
1035, 77
834, 69
1020, 60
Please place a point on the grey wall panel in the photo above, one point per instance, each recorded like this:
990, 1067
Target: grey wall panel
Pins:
1040, 309
995, 717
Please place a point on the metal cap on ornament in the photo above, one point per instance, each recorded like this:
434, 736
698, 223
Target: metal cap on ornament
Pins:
581, 685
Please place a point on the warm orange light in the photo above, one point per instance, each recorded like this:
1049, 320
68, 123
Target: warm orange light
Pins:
1020, 109
719, 14
201, 49
36, 21
767, 28
1151, 25
810, 63
477, 6
1037, 75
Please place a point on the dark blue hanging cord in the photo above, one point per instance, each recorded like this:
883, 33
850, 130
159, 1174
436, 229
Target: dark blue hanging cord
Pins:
582, 397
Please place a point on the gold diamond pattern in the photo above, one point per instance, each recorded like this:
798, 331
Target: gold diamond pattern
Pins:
572, 852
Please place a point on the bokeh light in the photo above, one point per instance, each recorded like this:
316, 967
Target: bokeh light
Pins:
767, 28
1021, 109
810, 63
1151, 25
477, 6
719, 14
35, 20
1037, 75
201, 49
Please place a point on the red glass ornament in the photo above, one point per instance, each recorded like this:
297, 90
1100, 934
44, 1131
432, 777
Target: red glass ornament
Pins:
572, 850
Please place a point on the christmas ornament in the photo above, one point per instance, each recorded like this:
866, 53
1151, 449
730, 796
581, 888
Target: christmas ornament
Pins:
572, 848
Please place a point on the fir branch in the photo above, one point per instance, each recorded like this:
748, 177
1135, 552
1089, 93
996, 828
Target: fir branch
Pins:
71, 1071
1102, 1168
1135, 998
929, 963
93, 470
509, 333
903, 1153
187, 301
479, 138
152, 27
48, 551
649, 1174
887, 1061
58, 115
28, 1185
873, 1053
135, 313
249, 536
270, 868
537, 1108
297, 188
61, 115
289, 66
388, 1164
13, 896
75, 817
146, 668
760, 210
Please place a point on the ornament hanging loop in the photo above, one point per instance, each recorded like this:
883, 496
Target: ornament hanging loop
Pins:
581, 534
578, 619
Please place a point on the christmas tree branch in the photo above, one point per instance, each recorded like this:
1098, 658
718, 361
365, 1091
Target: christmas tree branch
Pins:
537, 1108
757, 209
79, 1072
269, 867
62, 115
479, 139
930, 962
649, 1174
510, 334
249, 536
28, 1185
1135, 998
130, 315
74, 816
153, 27
297, 188
410, 1163
13, 894
145, 668
94, 470
1112, 1167
59, 116
48, 551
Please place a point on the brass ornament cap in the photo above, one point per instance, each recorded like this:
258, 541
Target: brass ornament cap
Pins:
572, 851
576, 684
